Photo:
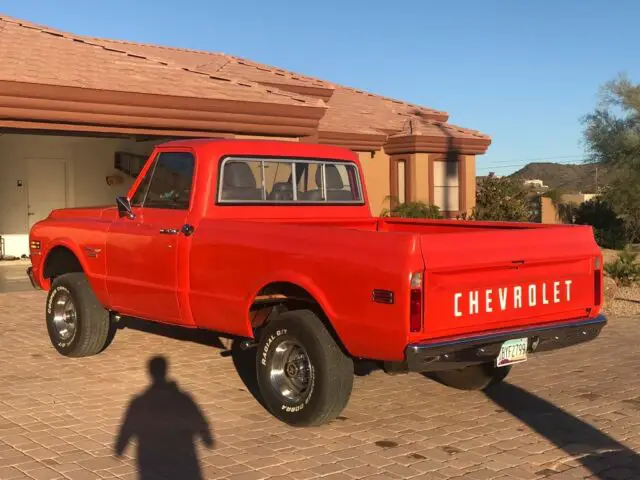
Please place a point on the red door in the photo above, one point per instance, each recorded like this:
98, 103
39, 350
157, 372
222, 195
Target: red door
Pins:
143, 253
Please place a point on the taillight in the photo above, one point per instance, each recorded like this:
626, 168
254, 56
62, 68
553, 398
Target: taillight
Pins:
597, 281
415, 302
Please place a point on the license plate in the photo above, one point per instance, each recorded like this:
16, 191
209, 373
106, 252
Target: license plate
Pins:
512, 351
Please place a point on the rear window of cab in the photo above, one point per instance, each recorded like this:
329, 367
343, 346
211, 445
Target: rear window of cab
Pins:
291, 181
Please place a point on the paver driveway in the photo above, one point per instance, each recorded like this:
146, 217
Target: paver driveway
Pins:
568, 414
13, 277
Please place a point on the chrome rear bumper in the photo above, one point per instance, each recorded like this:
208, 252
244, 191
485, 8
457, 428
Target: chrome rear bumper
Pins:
458, 352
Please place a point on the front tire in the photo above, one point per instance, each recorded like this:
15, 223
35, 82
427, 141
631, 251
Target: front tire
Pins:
474, 377
78, 325
304, 377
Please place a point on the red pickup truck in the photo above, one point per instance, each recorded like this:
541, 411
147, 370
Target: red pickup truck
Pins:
274, 243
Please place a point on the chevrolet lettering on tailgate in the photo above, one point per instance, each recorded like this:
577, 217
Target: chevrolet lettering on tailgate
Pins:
515, 297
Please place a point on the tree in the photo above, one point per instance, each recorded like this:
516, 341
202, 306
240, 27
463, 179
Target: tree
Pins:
608, 228
612, 134
501, 199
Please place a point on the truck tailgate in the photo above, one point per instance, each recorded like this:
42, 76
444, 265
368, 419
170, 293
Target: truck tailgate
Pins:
477, 281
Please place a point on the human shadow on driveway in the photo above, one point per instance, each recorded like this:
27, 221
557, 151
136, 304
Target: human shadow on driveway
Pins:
244, 361
595, 450
166, 422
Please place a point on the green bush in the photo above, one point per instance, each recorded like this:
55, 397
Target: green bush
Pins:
413, 210
625, 269
501, 199
608, 228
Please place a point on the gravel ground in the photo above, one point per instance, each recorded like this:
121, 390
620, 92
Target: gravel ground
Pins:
627, 300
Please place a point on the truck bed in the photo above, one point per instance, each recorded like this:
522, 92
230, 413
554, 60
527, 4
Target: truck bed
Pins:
549, 267
346, 259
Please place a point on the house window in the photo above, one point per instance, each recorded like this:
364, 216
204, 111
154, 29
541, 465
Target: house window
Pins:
446, 185
401, 172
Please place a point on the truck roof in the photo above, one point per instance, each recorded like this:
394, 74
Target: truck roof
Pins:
263, 147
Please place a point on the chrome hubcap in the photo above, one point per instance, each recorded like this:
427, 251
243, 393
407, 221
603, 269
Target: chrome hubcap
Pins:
290, 370
65, 318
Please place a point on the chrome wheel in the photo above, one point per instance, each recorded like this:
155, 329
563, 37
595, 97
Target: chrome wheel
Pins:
65, 317
290, 371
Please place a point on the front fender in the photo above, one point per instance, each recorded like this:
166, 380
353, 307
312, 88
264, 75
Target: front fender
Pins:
97, 282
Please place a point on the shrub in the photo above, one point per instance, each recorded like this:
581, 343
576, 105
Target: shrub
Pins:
625, 269
608, 228
501, 199
413, 210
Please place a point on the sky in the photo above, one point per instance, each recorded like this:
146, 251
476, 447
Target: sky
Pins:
523, 72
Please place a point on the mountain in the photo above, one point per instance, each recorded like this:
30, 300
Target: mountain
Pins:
567, 178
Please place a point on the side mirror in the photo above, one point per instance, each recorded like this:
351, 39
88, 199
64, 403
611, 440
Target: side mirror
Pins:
124, 208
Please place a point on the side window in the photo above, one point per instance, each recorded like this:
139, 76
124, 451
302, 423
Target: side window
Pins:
141, 192
170, 183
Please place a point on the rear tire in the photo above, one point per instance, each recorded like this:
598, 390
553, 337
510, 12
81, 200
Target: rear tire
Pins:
77, 323
474, 377
304, 377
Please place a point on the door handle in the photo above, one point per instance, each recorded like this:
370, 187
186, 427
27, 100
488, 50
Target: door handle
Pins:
169, 231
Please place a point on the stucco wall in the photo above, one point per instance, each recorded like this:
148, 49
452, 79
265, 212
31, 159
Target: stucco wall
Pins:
548, 211
376, 177
421, 180
89, 161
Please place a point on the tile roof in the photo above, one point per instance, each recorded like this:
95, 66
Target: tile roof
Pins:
432, 128
34, 54
147, 68
213, 62
350, 110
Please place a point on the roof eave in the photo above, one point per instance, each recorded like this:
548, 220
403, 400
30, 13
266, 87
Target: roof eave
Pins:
401, 144
22, 101
356, 141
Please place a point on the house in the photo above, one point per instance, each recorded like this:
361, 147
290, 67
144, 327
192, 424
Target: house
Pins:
78, 116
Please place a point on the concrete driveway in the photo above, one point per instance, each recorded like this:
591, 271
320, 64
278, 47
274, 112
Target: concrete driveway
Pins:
564, 415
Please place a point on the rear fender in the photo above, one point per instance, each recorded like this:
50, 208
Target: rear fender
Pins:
302, 281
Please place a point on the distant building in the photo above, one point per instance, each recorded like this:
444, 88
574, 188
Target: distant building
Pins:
535, 183
577, 198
